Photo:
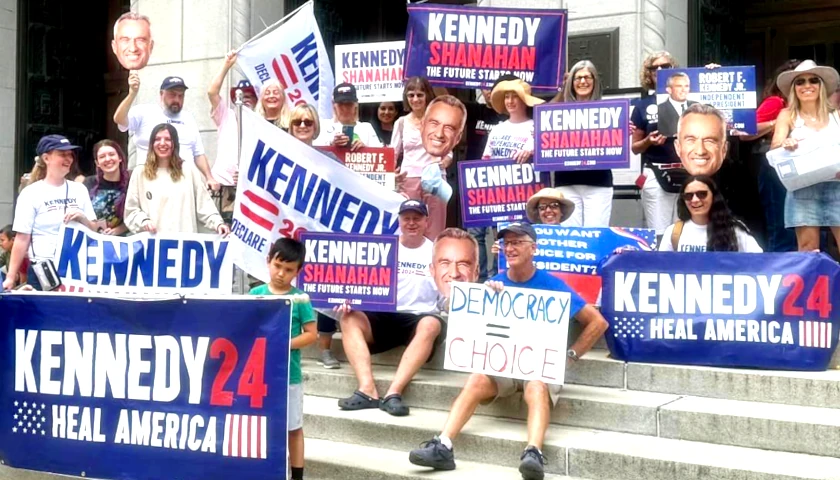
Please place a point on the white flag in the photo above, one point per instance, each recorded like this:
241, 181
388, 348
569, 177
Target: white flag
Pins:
287, 187
294, 54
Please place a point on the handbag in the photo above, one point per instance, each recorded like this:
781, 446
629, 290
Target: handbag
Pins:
45, 270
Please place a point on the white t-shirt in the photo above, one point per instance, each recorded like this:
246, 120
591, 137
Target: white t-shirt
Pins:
142, 119
693, 239
508, 138
416, 291
362, 131
40, 212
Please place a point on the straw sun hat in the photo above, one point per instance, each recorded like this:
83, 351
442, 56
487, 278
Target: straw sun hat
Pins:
520, 87
566, 205
828, 75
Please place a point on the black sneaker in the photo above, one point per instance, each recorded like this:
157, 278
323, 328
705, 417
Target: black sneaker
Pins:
433, 454
532, 465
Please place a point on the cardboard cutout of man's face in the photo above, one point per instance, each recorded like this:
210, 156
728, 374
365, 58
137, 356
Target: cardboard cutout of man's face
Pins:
678, 88
454, 260
133, 44
701, 144
442, 129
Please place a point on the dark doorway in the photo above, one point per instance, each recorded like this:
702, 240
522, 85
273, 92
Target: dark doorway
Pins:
66, 74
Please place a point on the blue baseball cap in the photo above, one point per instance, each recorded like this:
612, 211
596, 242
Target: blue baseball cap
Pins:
48, 143
414, 206
173, 82
519, 228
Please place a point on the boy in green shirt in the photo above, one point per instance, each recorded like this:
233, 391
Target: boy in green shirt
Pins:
285, 259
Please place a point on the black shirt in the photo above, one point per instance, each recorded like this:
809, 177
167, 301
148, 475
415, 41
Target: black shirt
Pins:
646, 117
480, 121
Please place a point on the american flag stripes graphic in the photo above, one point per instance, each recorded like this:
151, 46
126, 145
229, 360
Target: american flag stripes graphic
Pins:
259, 210
814, 334
285, 80
245, 436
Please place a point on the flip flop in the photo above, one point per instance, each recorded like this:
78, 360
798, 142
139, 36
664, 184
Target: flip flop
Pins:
394, 405
358, 401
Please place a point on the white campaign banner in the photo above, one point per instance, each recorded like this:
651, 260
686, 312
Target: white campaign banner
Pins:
287, 187
516, 333
375, 69
815, 160
142, 264
294, 54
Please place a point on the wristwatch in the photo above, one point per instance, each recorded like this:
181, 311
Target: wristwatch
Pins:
572, 355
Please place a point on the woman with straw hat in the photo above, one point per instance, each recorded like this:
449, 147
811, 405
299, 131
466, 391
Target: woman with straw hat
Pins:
808, 114
513, 138
547, 207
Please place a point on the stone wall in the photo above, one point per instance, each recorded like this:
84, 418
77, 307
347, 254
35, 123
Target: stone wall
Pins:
8, 81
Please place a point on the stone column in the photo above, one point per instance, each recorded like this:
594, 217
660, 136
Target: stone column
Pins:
653, 26
8, 97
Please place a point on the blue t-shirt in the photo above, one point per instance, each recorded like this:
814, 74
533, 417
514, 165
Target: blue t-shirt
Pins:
543, 280
646, 118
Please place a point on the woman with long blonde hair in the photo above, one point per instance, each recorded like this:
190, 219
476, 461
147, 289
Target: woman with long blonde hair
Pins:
272, 104
809, 114
168, 194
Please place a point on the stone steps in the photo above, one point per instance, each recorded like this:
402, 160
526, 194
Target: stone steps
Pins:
787, 428
814, 389
371, 444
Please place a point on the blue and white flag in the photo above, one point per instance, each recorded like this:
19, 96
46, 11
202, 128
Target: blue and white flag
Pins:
294, 54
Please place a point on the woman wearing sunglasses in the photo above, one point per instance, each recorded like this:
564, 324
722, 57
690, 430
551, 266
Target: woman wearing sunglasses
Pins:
304, 123
809, 114
706, 224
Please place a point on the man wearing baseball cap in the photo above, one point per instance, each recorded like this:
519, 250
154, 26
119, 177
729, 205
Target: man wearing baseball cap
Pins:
415, 324
344, 129
139, 120
519, 241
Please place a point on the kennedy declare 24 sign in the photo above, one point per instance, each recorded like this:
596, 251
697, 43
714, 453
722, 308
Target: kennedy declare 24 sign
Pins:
150, 389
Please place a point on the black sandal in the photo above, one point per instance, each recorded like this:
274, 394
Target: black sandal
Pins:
394, 405
358, 401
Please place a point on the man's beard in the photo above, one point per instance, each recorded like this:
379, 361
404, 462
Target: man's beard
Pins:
174, 108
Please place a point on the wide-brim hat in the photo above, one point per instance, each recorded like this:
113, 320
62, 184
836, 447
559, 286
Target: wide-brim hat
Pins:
828, 75
518, 86
566, 205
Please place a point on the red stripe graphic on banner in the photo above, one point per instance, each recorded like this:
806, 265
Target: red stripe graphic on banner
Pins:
255, 218
290, 69
279, 74
262, 203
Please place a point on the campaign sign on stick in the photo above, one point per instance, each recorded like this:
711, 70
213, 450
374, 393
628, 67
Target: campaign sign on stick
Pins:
770, 310
375, 69
575, 254
470, 47
582, 135
144, 389
376, 163
729, 89
516, 333
494, 191
142, 264
361, 269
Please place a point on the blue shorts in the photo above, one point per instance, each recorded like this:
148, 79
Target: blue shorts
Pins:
814, 206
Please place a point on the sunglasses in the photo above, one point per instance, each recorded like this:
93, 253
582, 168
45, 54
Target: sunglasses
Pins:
552, 205
664, 66
305, 123
702, 195
584, 78
802, 81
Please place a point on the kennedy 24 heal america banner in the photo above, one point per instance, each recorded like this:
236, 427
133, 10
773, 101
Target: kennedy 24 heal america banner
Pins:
123, 389
770, 310
470, 47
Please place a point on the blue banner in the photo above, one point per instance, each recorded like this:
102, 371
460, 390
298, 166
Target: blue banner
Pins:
575, 254
494, 191
772, 310
729, 89
470, 47
582, 135
342, 268
122, 389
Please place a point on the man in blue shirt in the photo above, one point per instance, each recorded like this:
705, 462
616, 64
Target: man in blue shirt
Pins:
520, 245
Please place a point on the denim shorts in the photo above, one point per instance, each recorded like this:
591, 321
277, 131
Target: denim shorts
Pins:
814, 206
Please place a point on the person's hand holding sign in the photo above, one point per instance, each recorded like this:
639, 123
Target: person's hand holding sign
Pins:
133, 82
790, 144
523, 156
655, 138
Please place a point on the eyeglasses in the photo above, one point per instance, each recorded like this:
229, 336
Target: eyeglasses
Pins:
516, 243
664, 66
305, 122
584, 78
546, 206
702, 195
802, 81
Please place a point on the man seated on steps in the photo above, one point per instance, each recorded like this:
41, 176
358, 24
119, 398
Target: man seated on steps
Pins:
414, 324
519, 243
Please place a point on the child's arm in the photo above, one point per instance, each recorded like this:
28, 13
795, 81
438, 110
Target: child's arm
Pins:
307, 338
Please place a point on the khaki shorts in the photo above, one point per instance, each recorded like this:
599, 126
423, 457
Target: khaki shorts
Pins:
510, 386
